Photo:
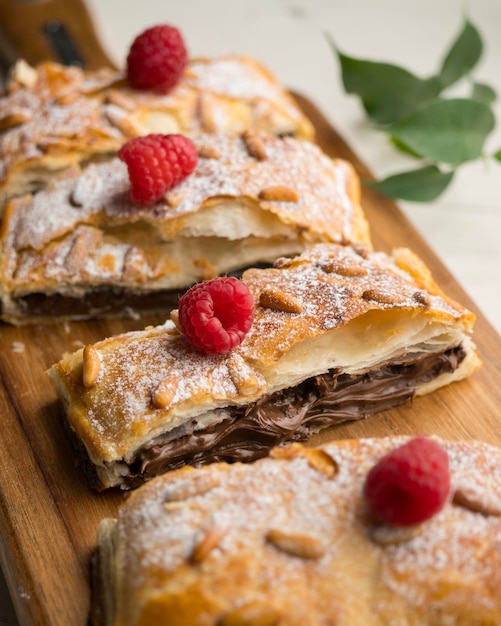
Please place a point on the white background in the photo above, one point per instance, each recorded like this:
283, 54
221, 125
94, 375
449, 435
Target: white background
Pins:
288, 36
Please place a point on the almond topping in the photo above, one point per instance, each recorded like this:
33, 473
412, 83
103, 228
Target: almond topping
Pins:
119, 120
288, 452
208, 152
390, 535
246, 382
290, 263
471, 500
343, 269
206, 112
280, 301
280, 193
174, 197
91, 366
198, 486
210, 540
174, 318
68, 98
421, 297
164, 393
120, 100
14, 119
255, 146
321, 461
296, 544
379, 296
251, 614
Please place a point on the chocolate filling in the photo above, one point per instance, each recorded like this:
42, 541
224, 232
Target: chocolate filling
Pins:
293, 415
102, 301
98, 302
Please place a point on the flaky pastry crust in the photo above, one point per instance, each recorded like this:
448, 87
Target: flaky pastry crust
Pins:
252, 198
355, 312
55, 116
289, 541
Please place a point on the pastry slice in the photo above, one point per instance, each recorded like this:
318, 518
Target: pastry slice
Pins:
339, 333
82, 249
55, 116
289, 541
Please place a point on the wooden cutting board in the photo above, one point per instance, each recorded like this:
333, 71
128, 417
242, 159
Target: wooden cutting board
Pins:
49, 517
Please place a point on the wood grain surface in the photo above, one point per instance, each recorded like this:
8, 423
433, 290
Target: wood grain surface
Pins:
57, 30
48, 515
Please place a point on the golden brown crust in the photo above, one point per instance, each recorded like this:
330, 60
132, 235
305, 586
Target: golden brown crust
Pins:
280, 542
83, 234
338, 327
55, 116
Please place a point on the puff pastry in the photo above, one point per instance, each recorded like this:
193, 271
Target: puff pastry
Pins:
81, 249
339, 333
55, 116
288, 541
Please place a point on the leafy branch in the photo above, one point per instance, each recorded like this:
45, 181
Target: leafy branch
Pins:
440, 131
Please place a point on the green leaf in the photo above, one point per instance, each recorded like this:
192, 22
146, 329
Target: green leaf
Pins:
388, 92
483, 93
497, 155
421, 185
452, 131
402, 147
463, 55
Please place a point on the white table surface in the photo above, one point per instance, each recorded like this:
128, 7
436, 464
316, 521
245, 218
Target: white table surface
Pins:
464, 225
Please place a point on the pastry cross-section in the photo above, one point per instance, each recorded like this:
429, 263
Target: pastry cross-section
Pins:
81, 249
371, 332
284, 541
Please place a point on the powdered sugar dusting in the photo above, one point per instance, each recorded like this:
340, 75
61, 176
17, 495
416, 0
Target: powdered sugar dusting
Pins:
237, 78
119, 407
44, 225
324, 205
68, 114
430, 578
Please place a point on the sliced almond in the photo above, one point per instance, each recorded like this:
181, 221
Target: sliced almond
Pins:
91, 366
255, 146
390, 535
24, 74
344, 268
252, 614
378, 295
210, 539
119, 99
208, 152
117, 118
296, 544
321, 461
421, 297
174, 317
206, 112
164, 393
245, 380
11, 120
66, 99
473, 501
279, 193
279, 301
288, 452
175, 196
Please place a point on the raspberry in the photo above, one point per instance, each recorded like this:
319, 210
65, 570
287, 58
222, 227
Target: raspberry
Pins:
216, 315
409, 484
156, 59
156, 163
